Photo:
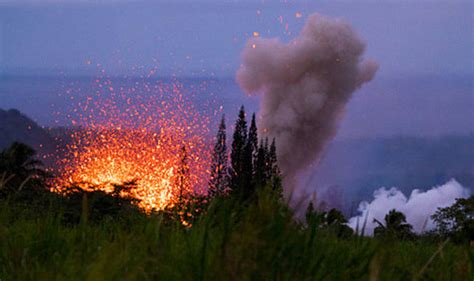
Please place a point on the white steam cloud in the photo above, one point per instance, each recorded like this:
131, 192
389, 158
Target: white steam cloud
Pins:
305, 86
418, 208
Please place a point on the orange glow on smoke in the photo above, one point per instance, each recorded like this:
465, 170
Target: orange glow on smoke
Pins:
125, 136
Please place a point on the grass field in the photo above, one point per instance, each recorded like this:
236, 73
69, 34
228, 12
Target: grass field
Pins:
260, 242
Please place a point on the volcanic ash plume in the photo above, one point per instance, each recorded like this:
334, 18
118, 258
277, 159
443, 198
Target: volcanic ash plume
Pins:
304, 85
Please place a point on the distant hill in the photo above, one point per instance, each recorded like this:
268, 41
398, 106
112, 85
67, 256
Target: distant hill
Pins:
15, 126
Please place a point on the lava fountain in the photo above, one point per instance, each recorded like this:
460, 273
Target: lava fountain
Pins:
148, 133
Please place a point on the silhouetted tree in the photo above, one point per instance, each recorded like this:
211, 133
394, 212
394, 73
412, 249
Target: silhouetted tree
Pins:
253, 137
272, 158
253, 166
247, 174
183, 174
267, 154
275, 175
20, 170
332, 221
310, 214
81, 205
248, 162
260, 167
219, 180
239, 142
395, 226
457, 220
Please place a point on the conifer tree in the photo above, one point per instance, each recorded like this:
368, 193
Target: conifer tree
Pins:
253, 166
260, 169
183, 174
272, 159
247, 174
219, 180
310, 213
239, 142
275, 177
253, 137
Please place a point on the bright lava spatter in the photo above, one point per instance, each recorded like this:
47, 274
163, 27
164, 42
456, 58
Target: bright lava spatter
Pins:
138, 133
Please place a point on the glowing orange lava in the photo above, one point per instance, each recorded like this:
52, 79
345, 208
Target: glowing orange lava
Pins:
148, 133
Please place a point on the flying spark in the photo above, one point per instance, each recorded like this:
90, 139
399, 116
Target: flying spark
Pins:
145, 138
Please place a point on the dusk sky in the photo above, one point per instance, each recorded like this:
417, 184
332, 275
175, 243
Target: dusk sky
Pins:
205, 38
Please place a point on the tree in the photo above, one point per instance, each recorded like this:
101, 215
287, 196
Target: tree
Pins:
457, 220
219, 180
275, 175
247, 185
333, 221
272, 158
20, 170
395, 226
265, 155
248, 162
310, 214
183, 175
260, 167
84, 205
253, 137
253, 166
239, 142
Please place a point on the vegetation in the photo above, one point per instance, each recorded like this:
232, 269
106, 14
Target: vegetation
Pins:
456, 221
20, 170
259, 242
219, 179
396, 226
243, 231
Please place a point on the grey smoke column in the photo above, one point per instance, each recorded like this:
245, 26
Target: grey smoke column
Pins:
305, 86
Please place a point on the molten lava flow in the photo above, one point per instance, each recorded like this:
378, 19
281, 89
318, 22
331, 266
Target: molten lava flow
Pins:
154, 138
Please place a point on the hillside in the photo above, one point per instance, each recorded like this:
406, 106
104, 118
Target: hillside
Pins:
15, 126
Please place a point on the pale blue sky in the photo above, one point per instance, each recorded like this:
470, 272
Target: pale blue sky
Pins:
206, 37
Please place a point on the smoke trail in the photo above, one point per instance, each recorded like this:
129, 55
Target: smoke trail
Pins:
305, 86
418, 207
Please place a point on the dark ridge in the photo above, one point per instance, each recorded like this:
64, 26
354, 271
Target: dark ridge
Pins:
15, 126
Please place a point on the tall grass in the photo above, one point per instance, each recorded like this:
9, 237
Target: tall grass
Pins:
260, 242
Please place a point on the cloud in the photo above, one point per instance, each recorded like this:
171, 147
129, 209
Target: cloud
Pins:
417, 208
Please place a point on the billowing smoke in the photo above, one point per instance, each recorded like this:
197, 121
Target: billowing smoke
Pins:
417, 208
304, 87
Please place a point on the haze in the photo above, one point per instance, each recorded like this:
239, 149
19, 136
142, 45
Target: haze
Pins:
424, 49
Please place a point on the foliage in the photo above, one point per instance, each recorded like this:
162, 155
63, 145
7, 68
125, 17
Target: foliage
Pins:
96, 206
239, 141
20, 172
76, 204
182, 183
188, 211
456, 221
219, 178
254, 164
262, 241
333, 221
395, 226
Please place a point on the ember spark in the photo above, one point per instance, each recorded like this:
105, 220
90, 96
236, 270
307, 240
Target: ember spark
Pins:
148, 133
